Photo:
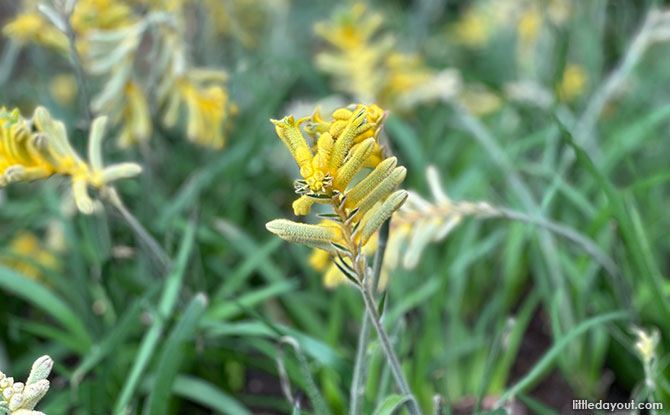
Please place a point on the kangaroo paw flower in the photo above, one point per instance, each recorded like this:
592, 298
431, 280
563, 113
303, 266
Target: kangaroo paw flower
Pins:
21, 398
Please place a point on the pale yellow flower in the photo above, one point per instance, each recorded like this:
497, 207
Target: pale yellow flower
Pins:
472, 30
32, 27
529, 26
63, 88
208, 109
29, 256
573, 83
479, 100
39, 148
135, 117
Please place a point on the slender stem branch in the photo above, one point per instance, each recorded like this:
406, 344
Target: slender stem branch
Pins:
359, 265
391, 357
161, 259
361, 362
78, 70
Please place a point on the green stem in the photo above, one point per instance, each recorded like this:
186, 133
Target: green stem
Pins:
359, 265
391, 357
161, 259
361, 362
78, 70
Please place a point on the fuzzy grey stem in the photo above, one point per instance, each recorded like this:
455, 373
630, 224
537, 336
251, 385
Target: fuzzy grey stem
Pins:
158, 253
78, 70
391, 357
361, 362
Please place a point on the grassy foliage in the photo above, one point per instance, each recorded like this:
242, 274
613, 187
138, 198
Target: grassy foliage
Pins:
234, 321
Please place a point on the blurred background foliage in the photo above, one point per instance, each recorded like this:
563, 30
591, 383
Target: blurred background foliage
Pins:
553, 109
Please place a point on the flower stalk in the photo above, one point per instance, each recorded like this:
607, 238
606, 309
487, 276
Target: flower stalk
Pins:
361, 362
359, 265
339, 148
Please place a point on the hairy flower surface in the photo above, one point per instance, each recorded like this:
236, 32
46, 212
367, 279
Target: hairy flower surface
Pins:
39, 148
345, 144
18, 398
414, 226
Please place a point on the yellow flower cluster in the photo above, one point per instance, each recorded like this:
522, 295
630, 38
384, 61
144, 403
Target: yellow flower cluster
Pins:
38, 148
179, 86
364, 62
345, 145
414, 226
244, 20
108, 35
31, 26
18, 398
484, 19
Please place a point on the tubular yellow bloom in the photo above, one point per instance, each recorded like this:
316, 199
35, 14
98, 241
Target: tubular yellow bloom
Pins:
344, 145
315, 236
348, 145
208, 109
38, 148
21, 398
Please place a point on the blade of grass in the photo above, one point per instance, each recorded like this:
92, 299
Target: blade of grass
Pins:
172, 356
39, 296
548, 359
166, 305
319, 404
208, 395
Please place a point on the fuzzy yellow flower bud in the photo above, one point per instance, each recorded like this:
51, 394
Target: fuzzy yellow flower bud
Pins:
381, 213
315, 236
383, 189
372, 180
21, 398
357, 159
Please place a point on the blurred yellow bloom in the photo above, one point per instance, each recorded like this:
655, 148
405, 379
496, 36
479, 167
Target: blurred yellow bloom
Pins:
529, 26
63, 88
32, 27
646, 344
472, 30
135, 117
363, 62
244, 20
344, 146
479, 100
100, 15
38, 148
29, 256
483, 20
573, 83
357, 58
207, 112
